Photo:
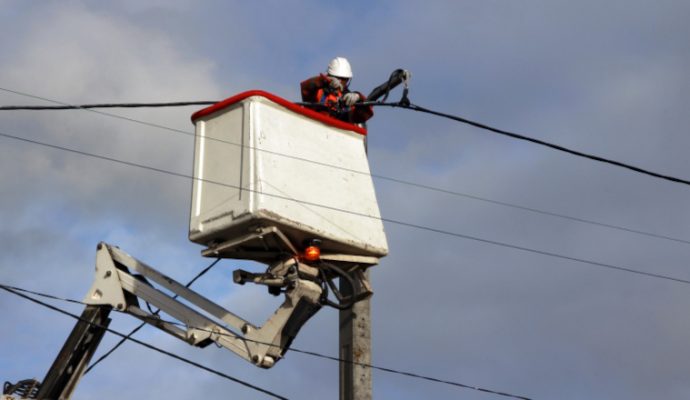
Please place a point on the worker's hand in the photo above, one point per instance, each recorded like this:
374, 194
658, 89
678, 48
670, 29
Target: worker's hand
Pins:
335, 83
351, 98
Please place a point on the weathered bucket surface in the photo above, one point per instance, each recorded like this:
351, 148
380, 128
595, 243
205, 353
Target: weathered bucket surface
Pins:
262, 161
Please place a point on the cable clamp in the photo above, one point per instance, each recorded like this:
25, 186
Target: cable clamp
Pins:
406, 76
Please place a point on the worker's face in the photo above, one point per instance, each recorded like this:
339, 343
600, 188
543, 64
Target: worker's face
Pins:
344, 81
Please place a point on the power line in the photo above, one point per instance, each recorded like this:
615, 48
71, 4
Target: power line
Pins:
147, 345
135, 330
306, 352
389, 220
400, 104
48, 296
537, 211
414, 375
71, 106
108, 105
88, 107
539, 142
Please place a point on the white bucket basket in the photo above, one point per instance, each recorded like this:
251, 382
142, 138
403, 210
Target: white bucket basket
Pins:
261, 161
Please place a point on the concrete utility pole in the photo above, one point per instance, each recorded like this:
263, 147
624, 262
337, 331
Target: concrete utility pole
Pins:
355, 346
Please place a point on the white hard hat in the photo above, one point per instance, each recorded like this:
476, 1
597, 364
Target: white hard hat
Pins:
340, 68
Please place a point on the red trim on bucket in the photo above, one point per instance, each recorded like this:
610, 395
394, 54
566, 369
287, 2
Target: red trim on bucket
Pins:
285, 103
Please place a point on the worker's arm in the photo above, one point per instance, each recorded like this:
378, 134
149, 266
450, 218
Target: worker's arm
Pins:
311, 86
359, 114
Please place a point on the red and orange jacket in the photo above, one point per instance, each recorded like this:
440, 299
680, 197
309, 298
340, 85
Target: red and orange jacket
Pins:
318, 91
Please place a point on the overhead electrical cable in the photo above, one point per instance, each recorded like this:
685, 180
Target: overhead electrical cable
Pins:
513, 135
71, 106
537, 211
108, 105
88, 107
147, 345
389, 220
404, 104
306, 352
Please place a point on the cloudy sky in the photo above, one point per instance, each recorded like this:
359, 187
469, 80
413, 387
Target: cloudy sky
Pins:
603, 77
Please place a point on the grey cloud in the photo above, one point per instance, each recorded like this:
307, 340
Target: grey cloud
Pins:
607, 78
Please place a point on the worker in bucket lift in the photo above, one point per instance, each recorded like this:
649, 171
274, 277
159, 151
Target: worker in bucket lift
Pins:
329, 94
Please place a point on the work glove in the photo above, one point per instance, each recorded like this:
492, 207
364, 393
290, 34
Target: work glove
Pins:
351, 98
335, 83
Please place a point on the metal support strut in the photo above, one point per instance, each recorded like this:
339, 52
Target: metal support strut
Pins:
208, 322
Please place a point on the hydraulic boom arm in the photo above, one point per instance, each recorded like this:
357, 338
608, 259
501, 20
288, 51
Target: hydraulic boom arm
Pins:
121, 281
115, 286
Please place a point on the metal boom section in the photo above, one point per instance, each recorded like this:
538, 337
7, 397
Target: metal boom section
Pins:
115, 286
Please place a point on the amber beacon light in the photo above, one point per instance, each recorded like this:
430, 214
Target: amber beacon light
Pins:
312, 252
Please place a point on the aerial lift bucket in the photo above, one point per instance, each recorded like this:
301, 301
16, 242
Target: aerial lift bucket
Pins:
270, 175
